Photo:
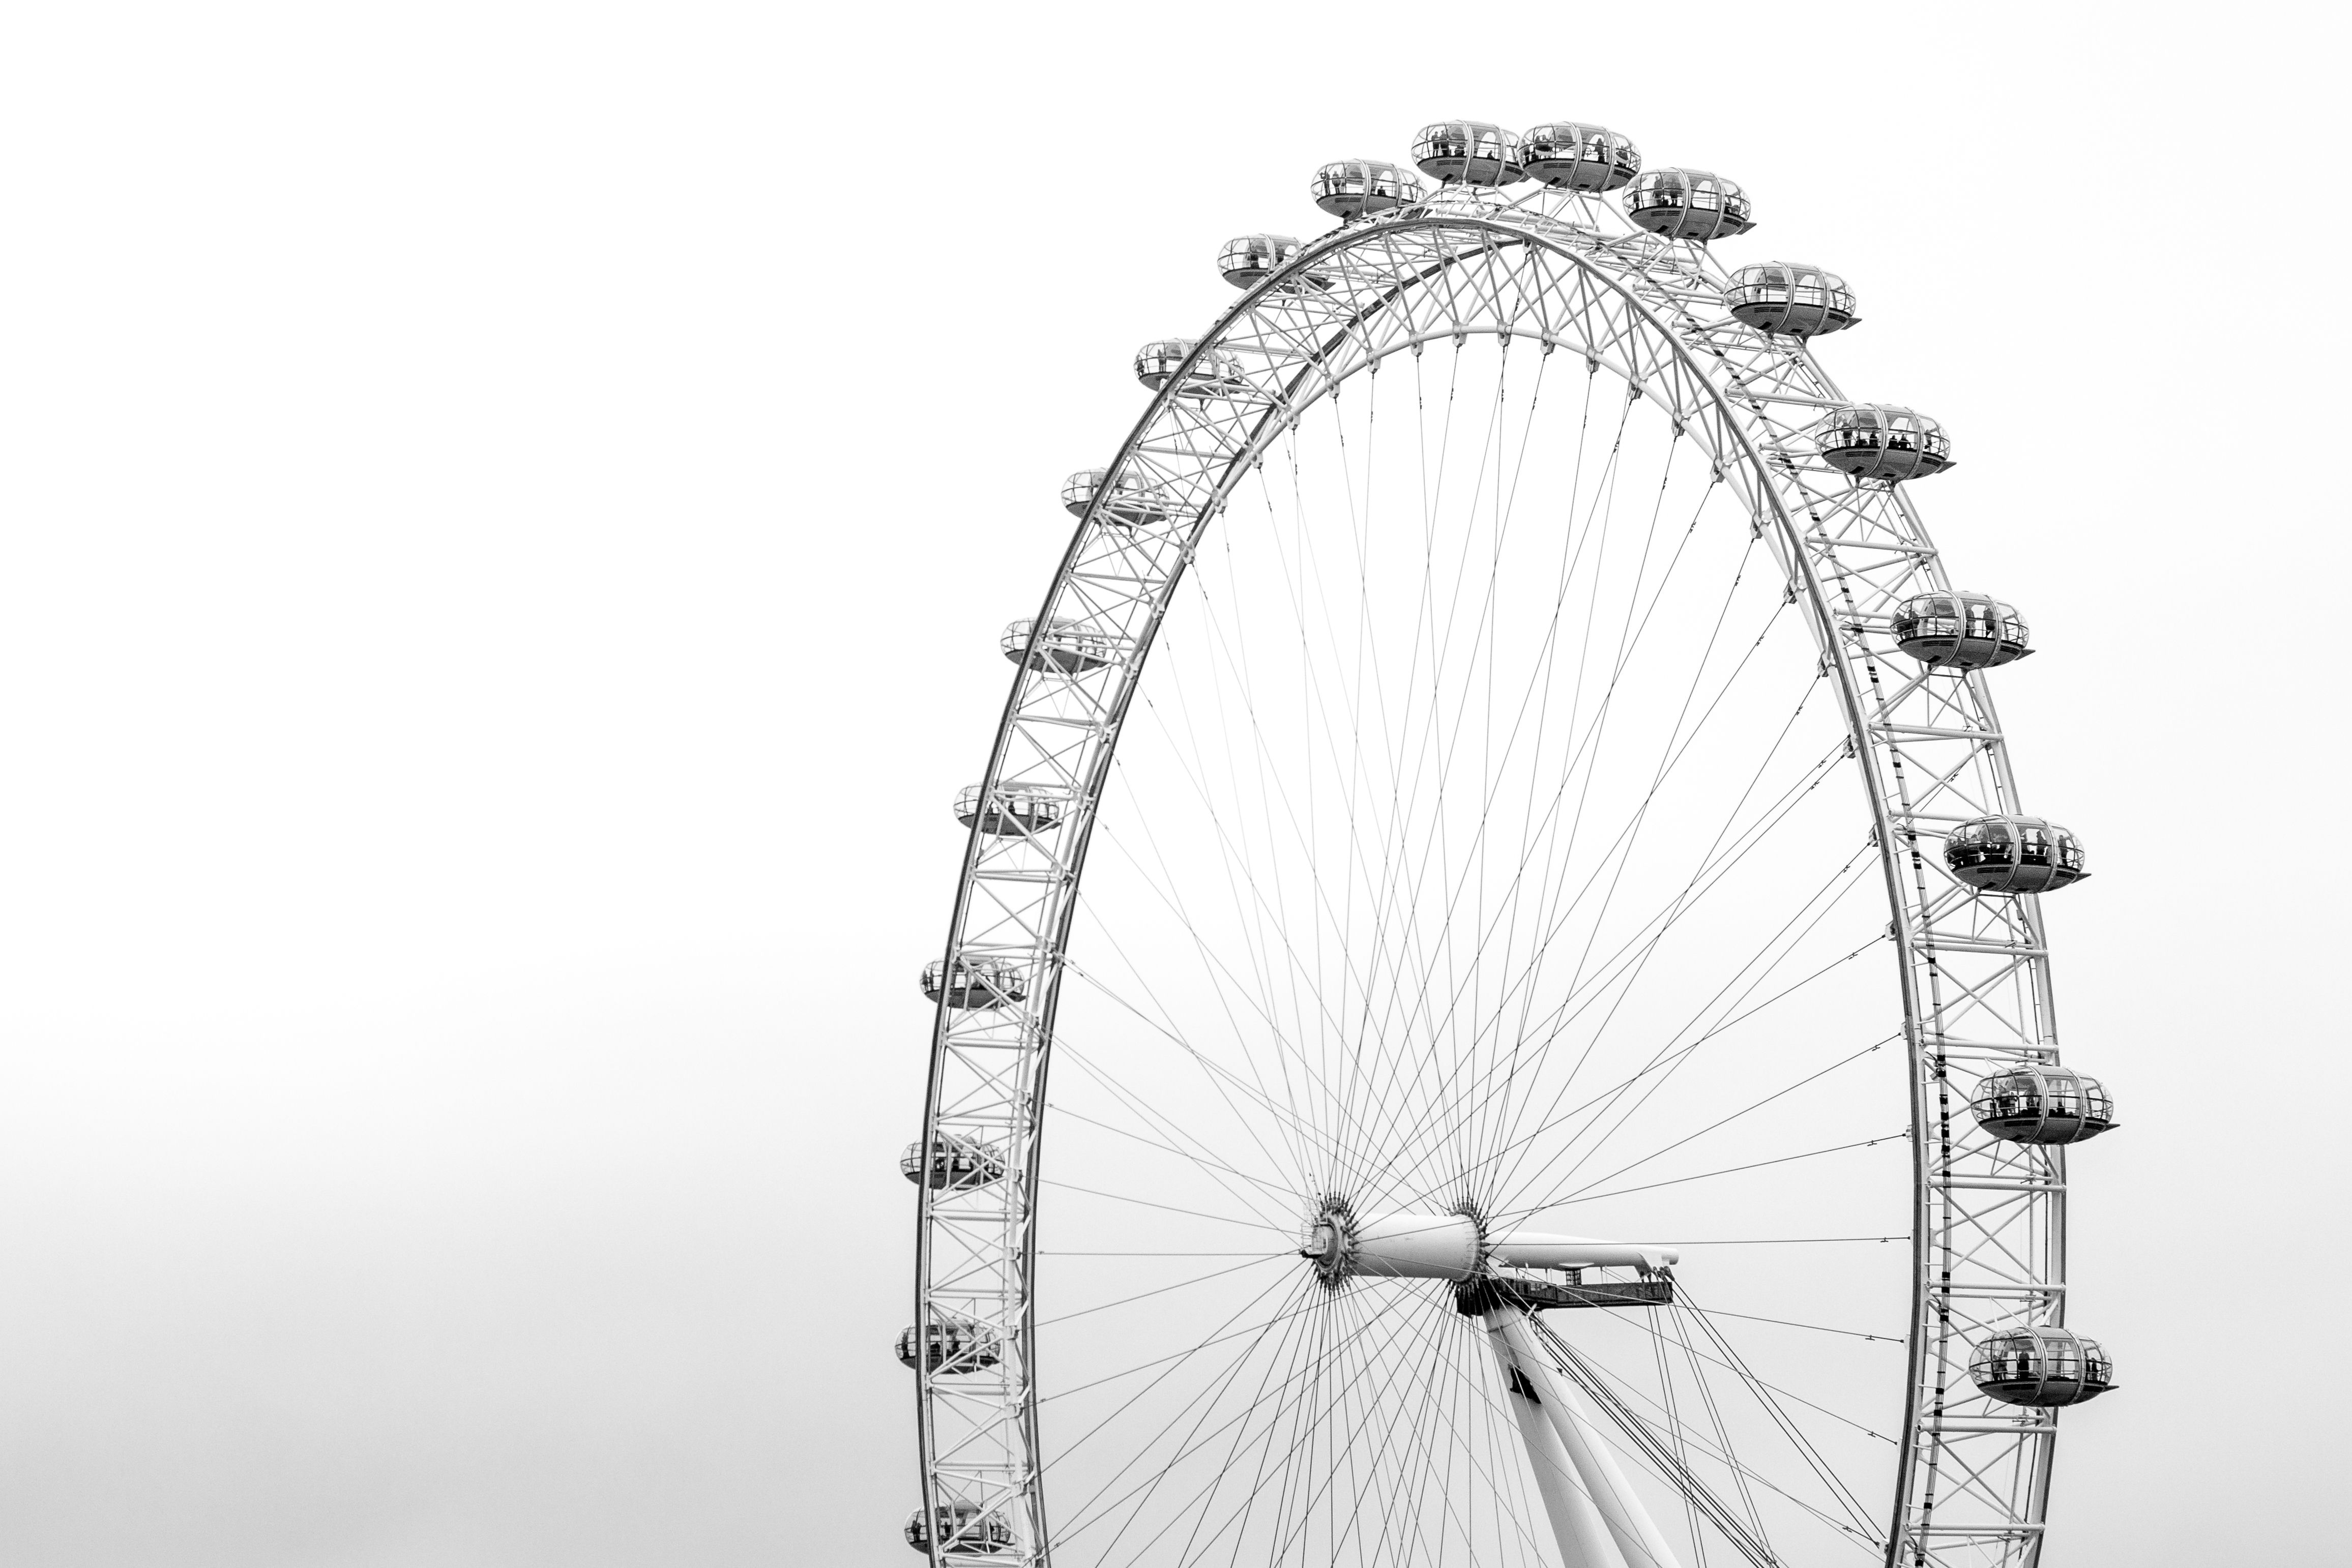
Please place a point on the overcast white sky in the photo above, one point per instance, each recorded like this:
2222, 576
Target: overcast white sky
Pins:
507, 513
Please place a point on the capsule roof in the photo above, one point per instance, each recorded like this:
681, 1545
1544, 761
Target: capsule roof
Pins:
1688, 203
1357, 187
1217, 372
2007, 853
1790, 299
1960, 629
1571, 156
1883, 441
1469, 152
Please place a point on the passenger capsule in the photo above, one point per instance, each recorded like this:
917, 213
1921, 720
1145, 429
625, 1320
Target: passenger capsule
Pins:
1960, 631
1790, 299
1468, 153
1067, 647
1355, 187
1688, 203
1568, 156
1246, 260
1216, 373
957, 1163
956, 1528
1134, 502
976, 982
1879, 441
1012, 809
2042, 1367
2014, 854
2042, 1105
950, 1344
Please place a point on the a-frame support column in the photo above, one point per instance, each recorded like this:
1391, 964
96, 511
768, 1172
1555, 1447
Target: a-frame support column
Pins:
1600, 1521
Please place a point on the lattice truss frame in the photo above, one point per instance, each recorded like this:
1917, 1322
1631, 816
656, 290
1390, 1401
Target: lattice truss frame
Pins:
1566, 271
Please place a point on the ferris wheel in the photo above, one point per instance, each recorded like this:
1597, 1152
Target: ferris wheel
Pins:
1497, 1009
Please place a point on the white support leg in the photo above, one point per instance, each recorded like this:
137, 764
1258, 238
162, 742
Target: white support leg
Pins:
1633, 1532
1585, 1539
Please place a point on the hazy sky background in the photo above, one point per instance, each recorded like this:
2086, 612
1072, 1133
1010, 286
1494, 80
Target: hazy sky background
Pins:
509, 511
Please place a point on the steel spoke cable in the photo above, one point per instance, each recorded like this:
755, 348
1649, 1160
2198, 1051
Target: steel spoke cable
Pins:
1214, 965
1092, 1512
1194, 1439
1170, 1208
1605, 489
1296, 1304
1764, 1396
1473, 861
1531, 972
1628, 837
1726, 1453
1127, 1099
1720, 1028
1636, 949
1233, 846
1403, 848
1726, 1456
1621, 979
1219, 1075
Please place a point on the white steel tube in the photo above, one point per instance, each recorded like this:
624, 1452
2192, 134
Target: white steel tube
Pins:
1584, 1537
1417, 1246
1635, 1533
1534, 1250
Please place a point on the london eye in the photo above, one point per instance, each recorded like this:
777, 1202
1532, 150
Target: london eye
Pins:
1498, 1008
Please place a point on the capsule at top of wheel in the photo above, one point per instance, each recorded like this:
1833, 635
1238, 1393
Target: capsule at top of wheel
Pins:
1355, 187
955, 1528
1881, 442
1960, 631
1216, 373
1688, 203
950, 1344
1250, 257
975, 982
1790, 299
2014, 854
2040, 1367
1066, 646
1134, 502
1571, 156
1468, 153
955, 1163
2040, 1105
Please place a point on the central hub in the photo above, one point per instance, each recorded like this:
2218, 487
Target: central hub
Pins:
1408, 1246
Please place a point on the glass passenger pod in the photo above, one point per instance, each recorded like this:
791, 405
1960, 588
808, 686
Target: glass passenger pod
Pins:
1569, 156
2042, 1105
2014, 854
953, 1527
1960, 631
1134, 502
950, 1345
1013, 809
1468, 153
1688, 203
1216, 373
1067, 647
1790, 299
1246, 260
2040, 1367
957, 1163
976, 982
1877, 441
1357, 187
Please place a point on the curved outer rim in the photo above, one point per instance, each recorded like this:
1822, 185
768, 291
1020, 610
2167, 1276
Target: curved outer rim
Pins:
1972, 1479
